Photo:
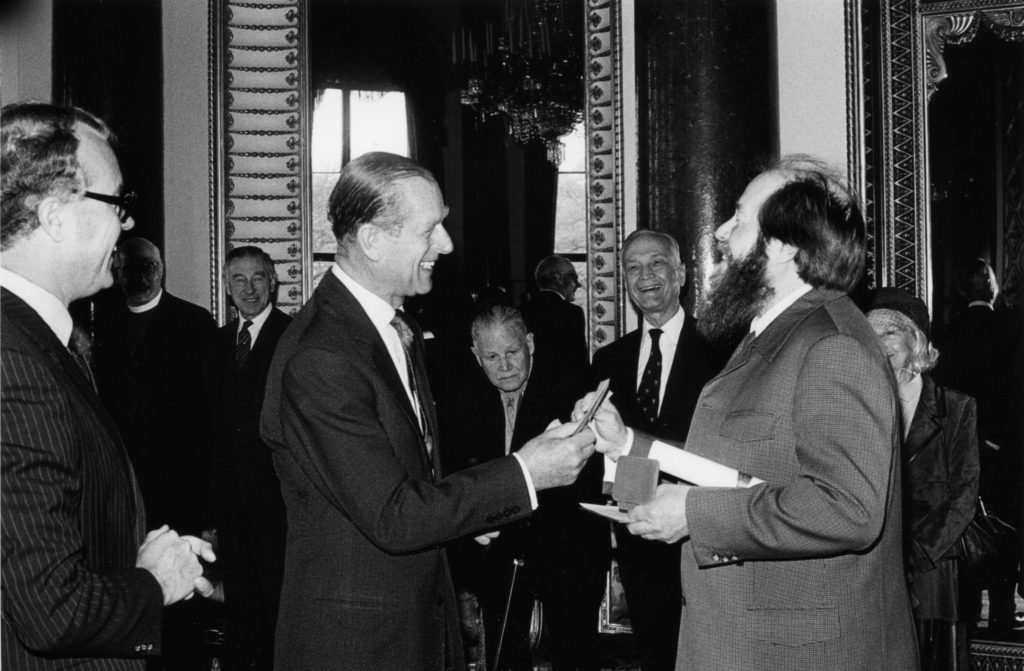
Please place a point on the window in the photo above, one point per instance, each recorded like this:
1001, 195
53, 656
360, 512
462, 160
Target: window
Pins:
347, 124
571, 206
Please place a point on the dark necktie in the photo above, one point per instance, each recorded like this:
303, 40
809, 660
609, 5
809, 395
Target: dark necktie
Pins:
80, 346
650, 382
415, 371
244, 345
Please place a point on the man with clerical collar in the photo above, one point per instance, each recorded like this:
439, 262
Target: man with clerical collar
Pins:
803, 570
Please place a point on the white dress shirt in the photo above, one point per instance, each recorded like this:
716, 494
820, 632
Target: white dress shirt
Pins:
381, 313
49, 308
671, 331
257, 323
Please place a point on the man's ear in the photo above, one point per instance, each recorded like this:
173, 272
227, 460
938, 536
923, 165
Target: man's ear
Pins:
476, 355
369, 239
681, 275
780, 252
53, 220
529, 343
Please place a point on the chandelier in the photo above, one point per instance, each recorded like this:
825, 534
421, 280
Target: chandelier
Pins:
526, 67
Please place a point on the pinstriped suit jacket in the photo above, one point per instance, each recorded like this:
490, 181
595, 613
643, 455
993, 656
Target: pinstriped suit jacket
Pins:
72, 518
805, 571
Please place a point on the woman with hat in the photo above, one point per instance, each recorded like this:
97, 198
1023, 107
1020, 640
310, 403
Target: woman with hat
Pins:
940, 476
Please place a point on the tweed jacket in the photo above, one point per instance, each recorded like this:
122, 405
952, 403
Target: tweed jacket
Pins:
366, 582
72, 515
806, 570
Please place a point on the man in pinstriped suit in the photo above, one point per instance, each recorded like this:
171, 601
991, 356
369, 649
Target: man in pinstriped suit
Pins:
805, 570
78, 588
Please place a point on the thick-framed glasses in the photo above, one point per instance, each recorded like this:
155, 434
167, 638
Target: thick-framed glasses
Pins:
123, 204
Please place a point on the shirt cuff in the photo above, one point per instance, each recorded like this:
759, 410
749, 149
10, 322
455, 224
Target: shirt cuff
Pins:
609, 465
529, 482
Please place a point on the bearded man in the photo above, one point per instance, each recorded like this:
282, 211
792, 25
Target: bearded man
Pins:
804, 570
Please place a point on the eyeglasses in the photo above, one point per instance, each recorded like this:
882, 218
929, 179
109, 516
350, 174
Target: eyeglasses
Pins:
123, 204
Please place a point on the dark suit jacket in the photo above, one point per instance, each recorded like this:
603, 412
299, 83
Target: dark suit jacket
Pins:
72, 515
559, 330
649, 570
806, 570
940, 494
560, 533
366, 581
155, 397
243, 469
695, 362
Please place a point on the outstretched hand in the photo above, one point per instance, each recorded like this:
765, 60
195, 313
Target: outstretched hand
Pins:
609, 431
556, 457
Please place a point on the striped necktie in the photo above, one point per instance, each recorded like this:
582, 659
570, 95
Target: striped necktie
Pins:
244, 344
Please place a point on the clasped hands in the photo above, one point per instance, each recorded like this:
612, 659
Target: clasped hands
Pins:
664, 517
174, 562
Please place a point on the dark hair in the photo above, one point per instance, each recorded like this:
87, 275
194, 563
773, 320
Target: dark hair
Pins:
551, 271
37, 159
249, 252
498, 315
818, 214
364, 192
976, 281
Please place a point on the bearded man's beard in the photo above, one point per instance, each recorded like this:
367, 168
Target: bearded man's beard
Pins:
738, 292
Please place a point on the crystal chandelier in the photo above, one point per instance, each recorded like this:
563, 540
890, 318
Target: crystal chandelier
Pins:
529, 70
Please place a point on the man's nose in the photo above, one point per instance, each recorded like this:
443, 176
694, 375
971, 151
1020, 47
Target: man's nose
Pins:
723, 231
442, 241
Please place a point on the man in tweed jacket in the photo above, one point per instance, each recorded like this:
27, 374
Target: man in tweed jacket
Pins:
804, 571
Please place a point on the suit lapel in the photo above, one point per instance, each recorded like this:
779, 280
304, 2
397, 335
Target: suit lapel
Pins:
927, 420
28, 320
357, 326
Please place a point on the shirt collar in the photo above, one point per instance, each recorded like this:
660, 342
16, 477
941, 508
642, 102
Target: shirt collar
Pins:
257, 322
49, 308
670, 330
377, 309
147, 306
759, 324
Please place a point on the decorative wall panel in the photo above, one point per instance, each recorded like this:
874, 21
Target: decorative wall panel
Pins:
605, 304
261, 150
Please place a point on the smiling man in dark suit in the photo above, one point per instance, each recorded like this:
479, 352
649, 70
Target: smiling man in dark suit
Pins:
352, 423
78, 589
246, 508
661, 401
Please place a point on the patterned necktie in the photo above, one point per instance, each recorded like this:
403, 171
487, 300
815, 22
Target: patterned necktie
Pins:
244, 345
414, 370
647, 395
80, 346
